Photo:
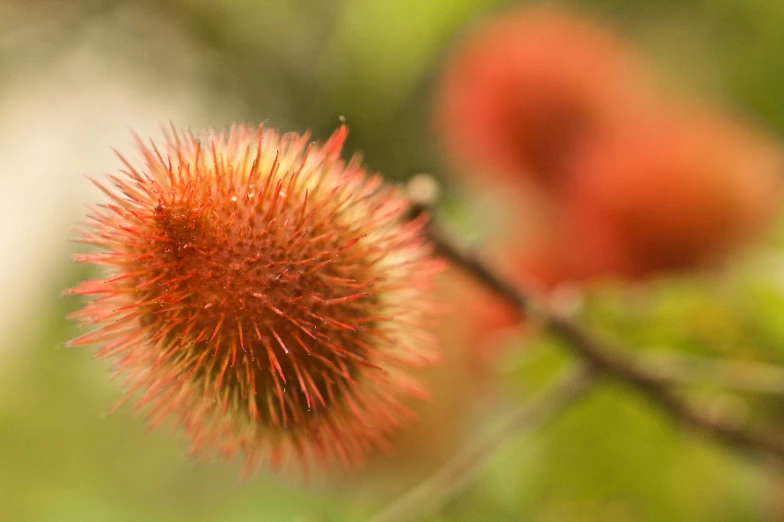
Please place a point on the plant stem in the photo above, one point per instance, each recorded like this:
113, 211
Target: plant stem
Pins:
605, 359
461, 470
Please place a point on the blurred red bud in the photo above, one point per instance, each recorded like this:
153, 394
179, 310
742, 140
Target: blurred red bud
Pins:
677, 190
523, 89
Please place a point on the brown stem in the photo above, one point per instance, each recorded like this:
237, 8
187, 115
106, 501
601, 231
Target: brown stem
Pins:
609, 361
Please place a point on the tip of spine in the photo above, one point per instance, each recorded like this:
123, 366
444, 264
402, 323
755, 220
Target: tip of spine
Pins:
334, 144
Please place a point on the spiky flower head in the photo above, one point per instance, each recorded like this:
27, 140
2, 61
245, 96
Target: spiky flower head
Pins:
270, 297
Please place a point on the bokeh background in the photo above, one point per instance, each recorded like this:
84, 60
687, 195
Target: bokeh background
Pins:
77, 77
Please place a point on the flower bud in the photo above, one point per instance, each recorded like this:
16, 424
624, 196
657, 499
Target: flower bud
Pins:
523, 90
270, 297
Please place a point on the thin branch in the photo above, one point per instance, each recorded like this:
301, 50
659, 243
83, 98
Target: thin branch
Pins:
603, 357
742, 376
677, 368
614, 364
458, 473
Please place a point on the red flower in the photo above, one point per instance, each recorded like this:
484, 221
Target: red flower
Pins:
268, 296
677, 190
523, 90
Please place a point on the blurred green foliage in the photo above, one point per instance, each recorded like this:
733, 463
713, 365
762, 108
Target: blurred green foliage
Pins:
301, 64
